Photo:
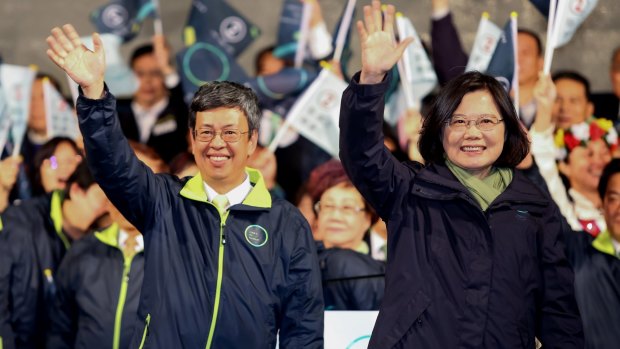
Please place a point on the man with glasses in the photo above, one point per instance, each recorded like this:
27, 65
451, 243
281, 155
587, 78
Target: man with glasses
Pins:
225, 265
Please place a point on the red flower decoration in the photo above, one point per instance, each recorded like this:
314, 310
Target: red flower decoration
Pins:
596, 132
570, 141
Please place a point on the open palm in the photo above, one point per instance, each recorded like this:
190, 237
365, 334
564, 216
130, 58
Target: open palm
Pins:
379, 50
84, 66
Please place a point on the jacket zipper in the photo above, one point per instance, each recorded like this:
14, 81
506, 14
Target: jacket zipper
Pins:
122, 297
220, 272
146, 330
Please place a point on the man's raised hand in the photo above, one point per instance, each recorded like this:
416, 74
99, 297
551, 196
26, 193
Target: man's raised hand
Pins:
84, 66
379, 51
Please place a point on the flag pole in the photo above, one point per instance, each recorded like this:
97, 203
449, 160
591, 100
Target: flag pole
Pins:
300, 53
345, 24
515, 50
550, 35
158, 26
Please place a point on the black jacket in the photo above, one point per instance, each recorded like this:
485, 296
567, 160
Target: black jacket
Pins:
97, 294
211, 280
597, 287
32, 244
457, 276
351, 280
169, 134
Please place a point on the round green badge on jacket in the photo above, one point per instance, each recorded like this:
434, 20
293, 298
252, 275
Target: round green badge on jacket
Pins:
256, 235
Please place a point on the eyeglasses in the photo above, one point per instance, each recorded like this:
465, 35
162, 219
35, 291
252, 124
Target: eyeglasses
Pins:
329, 208
483, 123
206, 135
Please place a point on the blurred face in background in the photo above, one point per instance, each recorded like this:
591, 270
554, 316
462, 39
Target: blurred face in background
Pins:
571, 104
611, 206
584, 166
530, 60
270, 64
36, 120
342, 217
56, 170
151, 87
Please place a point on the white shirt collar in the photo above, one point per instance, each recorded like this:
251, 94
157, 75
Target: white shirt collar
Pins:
616, 246
147, 117
235, 196
122, 239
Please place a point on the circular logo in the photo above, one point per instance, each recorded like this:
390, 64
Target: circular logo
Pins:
233, 29
256, 235
114, 16
202, 50
578, 6
359, 343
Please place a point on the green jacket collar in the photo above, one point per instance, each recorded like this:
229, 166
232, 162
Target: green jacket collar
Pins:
258, 197
109, 235
56, 216
603, 243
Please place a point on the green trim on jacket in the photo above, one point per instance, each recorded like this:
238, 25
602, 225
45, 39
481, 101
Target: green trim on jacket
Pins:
56, 215
258, 197
604, 244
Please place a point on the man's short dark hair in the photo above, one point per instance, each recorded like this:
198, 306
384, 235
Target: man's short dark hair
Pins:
226, 94
612, 168
139, 52
534, 36
516, 145
575, 76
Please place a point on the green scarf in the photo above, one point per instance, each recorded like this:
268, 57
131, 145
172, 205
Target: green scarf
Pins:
484, 190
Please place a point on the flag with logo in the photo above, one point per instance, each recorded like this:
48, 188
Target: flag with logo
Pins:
202, 61
289, 29
487, 36
502, 64
275, 87
342, 36
570, 14
316, 113
123, 17
60, 117
218, 23
16, 82
417, 67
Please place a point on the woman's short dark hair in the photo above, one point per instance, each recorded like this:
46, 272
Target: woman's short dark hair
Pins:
516, 144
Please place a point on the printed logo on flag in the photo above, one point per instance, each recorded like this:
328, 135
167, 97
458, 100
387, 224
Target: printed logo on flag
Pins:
233, 29
578, 6
115, 16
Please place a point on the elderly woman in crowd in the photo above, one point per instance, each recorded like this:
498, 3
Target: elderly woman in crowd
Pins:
352, 280
475, 257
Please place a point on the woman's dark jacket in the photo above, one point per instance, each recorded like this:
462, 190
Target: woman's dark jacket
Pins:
457, 276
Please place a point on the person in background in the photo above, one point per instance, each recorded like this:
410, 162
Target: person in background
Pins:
55, 161
9, 170
157, 114
475, 252
583, 146
225, 264
35, 236
265, 161
607, 105
101, 314
352, 279
596, 261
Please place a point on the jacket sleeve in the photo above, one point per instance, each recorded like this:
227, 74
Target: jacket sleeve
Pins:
129, 184
301, 324
379, 177
64, 316
6, 263
559, 322
449, 58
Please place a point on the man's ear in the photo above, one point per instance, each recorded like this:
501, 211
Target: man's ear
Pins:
252, 143
590, 109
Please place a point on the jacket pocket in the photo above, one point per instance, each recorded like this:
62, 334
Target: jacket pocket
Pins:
395, 323
145, 333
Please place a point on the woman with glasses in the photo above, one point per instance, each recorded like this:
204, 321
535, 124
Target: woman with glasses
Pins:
352, 280
475, 253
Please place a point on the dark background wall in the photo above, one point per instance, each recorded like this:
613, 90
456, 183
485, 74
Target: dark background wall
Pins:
24, 24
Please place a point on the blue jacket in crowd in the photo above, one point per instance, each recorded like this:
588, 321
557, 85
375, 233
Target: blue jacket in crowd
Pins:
97, 294
457, 276
211, 280
32, 245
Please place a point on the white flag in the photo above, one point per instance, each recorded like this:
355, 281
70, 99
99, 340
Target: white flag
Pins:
316, 113
61, 119
5, 121
16, 84
487, 37
569, 16
417, 66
